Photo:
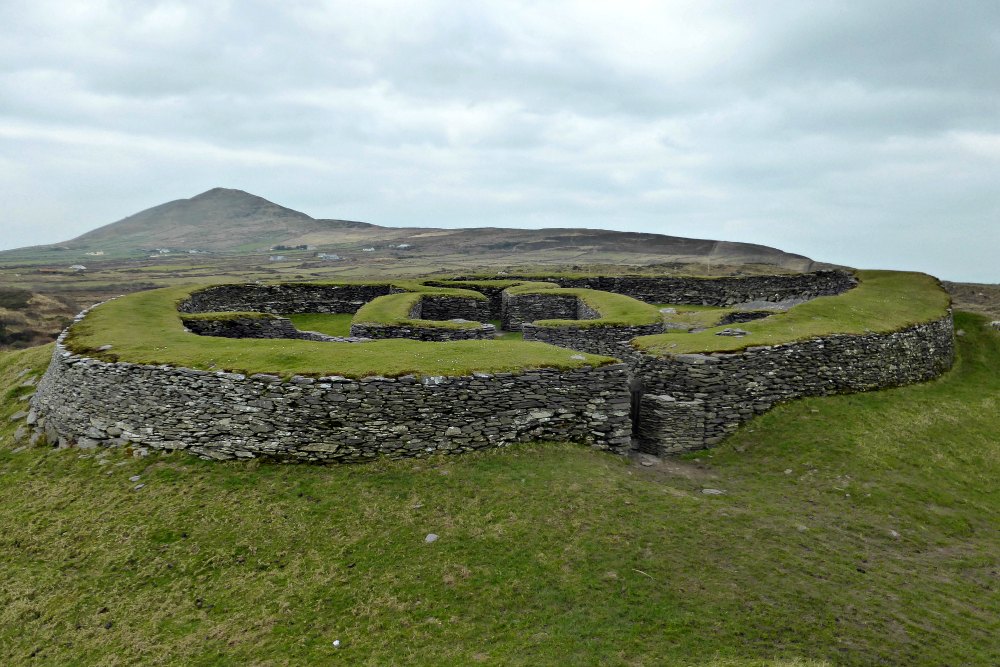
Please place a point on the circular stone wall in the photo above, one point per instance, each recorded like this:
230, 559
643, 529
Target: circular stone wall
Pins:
671, 402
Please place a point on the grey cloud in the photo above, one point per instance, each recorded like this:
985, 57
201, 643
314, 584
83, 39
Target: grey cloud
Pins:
853, 132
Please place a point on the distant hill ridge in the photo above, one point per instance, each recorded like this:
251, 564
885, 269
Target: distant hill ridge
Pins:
220, 219
230, 221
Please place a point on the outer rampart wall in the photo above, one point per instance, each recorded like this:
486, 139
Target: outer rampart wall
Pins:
682, 402
520, 308
693, 400
225, 415
724, 291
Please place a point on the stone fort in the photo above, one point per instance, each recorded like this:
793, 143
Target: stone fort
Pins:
658, 403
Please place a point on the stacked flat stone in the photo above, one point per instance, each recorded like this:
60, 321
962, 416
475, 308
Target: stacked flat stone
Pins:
724, 291
88, 402
259, 327
718, 392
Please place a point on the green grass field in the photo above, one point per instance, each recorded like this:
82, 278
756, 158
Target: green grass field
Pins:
853, 530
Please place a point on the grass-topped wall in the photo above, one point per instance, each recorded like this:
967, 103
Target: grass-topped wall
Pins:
146, 328
603, 309
883, 301
348, 400
398, 309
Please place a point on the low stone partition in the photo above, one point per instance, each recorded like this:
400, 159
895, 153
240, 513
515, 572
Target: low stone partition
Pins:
286, 298
694, 400
611, 341
723, 291
440, 307
267, 326
492, 292
741, 316
521, 308
88, 402
670, 426
416, 331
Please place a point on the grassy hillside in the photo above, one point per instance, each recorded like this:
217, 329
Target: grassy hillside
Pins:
28, 319
976, 298
146, 328
853, 530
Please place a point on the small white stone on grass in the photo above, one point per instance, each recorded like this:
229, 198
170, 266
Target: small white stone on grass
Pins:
431, 537
788, 471
578, 357
134, 478
336, 643
713, 492
139, 486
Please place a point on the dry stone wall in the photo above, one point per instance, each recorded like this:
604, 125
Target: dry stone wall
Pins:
612, 341
675, 403
521, 308
225, 415
288, 298
425, 333
725, 291
494, 294
693, 400
257, 327
430, 307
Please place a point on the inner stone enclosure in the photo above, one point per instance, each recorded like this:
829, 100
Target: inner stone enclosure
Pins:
655, 404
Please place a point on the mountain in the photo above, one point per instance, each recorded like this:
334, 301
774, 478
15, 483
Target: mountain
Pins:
220, 220
226, 221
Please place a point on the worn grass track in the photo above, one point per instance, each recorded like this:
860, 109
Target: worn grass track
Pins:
853, 530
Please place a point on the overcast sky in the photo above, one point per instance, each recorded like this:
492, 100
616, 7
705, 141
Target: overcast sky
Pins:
865, 133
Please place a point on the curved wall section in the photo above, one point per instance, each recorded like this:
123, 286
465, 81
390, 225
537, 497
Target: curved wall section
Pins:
676, 402
691, 401
88, 402
288, 298
725, 291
